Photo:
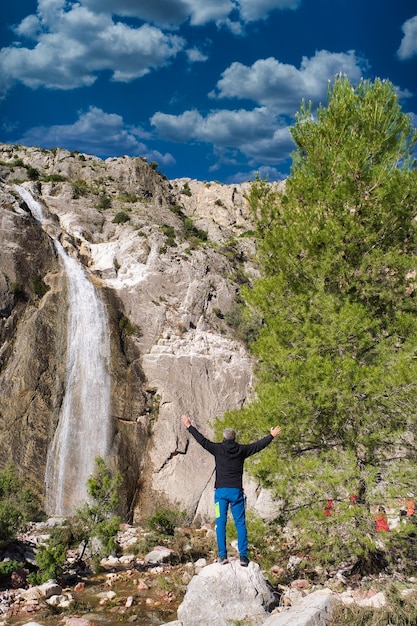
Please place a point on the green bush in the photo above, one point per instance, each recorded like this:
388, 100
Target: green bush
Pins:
14, 163
33, 173
40, 287
121, 218
50, 560
175, 208
79, 189
104, 202
18, 503
191, 230
186, 191
97, 518
6, 570
93, 519
169, 233
130, 197
164, 521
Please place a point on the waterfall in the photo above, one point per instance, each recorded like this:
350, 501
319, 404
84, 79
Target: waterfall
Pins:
83, 430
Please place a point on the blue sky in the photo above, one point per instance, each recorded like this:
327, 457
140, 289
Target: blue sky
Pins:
207, 88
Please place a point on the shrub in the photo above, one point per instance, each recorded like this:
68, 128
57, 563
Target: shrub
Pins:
121, 218
169, 233
39, 286
128, 329
175, 208
104, 202
18, 503
191, 230
50, 560
186, 190
164, 521
97, 518
129, 197
79, 189
33, 173
6, 570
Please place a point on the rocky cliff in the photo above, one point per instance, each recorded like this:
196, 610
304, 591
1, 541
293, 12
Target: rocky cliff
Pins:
168, 258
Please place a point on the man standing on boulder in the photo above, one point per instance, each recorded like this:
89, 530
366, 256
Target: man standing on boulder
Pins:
228, 490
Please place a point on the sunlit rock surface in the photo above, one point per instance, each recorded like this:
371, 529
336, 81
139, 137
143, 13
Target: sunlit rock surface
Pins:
141, 238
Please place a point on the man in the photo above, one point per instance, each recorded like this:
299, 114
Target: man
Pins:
228, 490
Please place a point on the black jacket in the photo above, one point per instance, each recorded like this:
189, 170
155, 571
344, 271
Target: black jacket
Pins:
230, 457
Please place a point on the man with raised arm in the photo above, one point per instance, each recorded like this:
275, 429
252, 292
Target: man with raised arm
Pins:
228, 490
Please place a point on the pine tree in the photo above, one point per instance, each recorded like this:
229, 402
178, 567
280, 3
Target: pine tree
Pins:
337, 350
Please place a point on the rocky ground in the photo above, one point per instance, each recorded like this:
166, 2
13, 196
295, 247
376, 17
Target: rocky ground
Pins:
149, 582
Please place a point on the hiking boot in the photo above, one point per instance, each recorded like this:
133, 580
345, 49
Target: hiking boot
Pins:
223, 560
244, 561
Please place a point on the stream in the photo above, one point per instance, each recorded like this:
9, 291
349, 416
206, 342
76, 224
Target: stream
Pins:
109, 599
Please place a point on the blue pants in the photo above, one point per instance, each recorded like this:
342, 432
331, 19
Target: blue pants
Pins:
236, 498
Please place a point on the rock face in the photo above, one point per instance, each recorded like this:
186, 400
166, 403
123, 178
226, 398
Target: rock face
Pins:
168, 258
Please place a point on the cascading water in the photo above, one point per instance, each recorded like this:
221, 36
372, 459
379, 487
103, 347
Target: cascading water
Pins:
83, 430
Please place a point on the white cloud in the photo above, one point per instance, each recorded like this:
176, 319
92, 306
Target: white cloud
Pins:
264, 172
282, 86
172, 13
408, 47
253, 10
73, 46
74, 41
196, 56
203, 11
166, 12
95, 132
29, 27
258, 134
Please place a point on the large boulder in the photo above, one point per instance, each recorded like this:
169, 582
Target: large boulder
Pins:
221, 595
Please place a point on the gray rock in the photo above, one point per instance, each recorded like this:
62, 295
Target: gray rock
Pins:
159, 555
44, 591
223, 594
313, 610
